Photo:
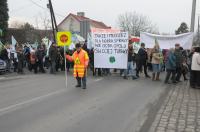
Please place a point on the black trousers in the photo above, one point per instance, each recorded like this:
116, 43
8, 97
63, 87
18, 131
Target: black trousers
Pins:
20, 67
169, 72
194, 78
139, 67
34, 67
15, 64
98, 71
178, 73
41, 66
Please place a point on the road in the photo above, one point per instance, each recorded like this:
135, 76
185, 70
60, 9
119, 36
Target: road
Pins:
42, 103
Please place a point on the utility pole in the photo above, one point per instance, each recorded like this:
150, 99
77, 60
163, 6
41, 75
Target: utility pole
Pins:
53, 19
198, 29
193, 16
198, 35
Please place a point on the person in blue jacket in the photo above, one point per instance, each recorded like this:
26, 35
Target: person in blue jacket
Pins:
171, 66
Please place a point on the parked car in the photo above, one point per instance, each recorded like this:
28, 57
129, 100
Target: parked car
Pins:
2, 66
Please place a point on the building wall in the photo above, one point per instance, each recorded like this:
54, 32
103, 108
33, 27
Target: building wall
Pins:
70, 24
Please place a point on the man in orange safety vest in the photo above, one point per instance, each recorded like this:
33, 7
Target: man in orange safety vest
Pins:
81, 60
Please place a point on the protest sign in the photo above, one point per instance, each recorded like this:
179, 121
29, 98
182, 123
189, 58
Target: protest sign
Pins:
167, 41
64, 38
110, 49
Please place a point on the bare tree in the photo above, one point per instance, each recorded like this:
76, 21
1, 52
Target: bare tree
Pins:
135, 23
45, 20
16, 24
36, 22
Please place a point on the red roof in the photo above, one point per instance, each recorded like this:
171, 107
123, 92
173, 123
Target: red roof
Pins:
94, 23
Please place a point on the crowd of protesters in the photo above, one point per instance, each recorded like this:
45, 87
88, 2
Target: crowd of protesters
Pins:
34, 59
179, 64
176, 62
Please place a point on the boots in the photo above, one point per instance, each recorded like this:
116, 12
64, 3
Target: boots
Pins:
153, 76
157, 77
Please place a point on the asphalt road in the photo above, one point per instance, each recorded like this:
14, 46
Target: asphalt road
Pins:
42, 103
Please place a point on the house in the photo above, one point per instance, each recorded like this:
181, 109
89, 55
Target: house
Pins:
80, 24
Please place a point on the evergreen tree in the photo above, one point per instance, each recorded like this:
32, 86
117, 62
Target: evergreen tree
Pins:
3, 19
182, 29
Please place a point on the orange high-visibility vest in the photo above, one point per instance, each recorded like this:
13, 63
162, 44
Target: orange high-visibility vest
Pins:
81, 61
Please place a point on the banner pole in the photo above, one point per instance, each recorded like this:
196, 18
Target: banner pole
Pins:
65, 67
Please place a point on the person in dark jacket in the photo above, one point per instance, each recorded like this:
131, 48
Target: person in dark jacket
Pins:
142, 58
20, 57
62, 57
170, 66
58, 59
27, 56
40, 53
52, 57
179, 60
4, 54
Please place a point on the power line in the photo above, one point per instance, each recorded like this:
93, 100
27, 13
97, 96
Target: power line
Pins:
20, 8
45, 8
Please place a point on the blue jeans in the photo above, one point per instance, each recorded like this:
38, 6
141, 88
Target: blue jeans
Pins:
130, 69
81, 79
156, 68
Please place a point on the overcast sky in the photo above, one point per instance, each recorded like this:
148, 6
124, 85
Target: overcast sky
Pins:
166, 14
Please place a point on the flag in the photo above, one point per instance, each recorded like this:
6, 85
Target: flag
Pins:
1, 46
72, 46
49, 45
1, 32
14, 42
45, 41
89, 42
35, 45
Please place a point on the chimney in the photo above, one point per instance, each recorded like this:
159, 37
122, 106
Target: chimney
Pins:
81, 14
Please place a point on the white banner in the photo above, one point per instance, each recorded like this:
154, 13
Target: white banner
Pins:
110, 49
167, 41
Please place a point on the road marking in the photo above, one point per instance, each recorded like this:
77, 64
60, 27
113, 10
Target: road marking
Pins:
97, 80
6, 109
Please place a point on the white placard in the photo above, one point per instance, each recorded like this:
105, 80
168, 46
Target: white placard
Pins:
110, 49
